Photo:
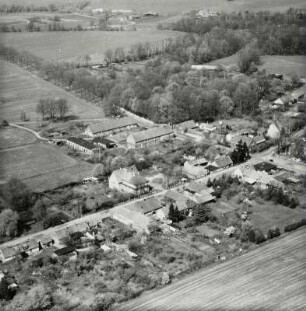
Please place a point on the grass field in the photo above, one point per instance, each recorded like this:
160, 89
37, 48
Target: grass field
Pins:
41, 166
13, 137
21, 91
265, 216
75, 45
274, 64
273, 277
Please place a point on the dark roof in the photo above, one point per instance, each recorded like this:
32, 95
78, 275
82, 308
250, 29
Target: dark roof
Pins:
138, 180
103, 141
265, 166
64, 251
211, 168
151, 134
81, 142
149, 205
111, 124
223, 161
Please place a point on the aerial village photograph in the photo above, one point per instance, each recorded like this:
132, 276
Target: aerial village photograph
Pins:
152, 155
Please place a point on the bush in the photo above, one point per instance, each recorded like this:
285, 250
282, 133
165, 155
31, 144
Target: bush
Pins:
273, 233
295, 225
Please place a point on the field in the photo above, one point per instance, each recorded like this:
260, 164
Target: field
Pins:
21, 91
274, 64
177, 6
75, 45
13, 137
265, 216
273, 277
41, 166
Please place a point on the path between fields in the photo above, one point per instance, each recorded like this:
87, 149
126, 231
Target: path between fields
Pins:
29, 130
272, 277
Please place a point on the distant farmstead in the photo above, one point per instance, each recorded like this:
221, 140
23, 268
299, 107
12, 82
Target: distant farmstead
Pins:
149, 137
110, 126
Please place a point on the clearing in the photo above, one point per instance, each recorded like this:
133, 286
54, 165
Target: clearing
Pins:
270, 278
283, 64
22, 90
72, 46
11, 137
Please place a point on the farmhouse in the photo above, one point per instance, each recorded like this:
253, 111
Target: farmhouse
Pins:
195, 169
195, 134
187, 125
223, 162
103, 142
253, 143
82, 145
201, 198
149, 137
110, 126
284, 101
128, 180
8, 253
298, 94
184, 204
148, 206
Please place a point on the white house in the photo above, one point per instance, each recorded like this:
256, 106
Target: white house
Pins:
128, 180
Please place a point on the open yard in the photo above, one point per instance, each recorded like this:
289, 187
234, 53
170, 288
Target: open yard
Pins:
21, 91
75, 45
13, 137
273, 277
41, 166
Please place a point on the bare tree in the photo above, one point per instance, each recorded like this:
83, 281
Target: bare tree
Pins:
62, 107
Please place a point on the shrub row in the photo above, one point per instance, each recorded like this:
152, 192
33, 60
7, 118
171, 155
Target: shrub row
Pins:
295, 225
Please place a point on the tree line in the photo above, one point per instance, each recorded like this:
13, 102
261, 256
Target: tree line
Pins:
52, 108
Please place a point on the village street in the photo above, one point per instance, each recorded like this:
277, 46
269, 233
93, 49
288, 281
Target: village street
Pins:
95, 217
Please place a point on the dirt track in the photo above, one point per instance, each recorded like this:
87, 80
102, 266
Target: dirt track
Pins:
273, 277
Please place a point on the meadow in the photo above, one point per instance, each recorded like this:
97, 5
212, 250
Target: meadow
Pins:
283, 64
75, 45
11, 137
41, 166
272, 277
22, 90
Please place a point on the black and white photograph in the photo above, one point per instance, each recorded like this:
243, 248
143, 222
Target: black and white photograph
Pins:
152, 155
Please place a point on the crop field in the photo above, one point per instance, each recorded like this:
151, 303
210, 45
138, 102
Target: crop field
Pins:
21, 91
75, 45
42, 166
11, 137
272, 277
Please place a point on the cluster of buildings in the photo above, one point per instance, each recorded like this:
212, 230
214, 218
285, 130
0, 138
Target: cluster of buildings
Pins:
124, 132
286, 101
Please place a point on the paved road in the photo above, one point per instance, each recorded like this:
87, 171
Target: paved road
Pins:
273, 277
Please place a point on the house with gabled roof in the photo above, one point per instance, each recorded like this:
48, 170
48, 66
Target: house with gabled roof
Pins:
110, 126
274, 130
223, 162
148, 206
184, 204
149, 137
194, 171
129, 180
253, 143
